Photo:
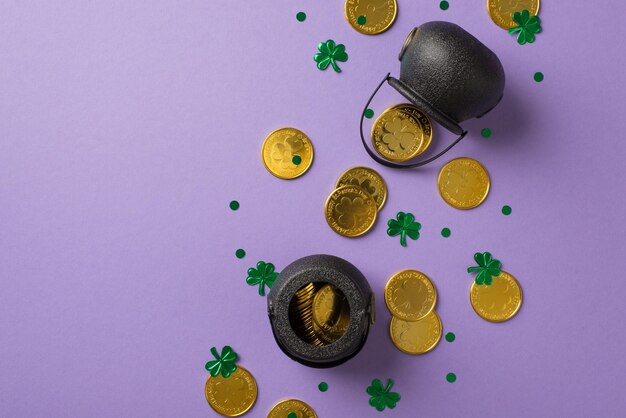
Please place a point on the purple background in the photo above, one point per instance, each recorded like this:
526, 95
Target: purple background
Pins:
127, 127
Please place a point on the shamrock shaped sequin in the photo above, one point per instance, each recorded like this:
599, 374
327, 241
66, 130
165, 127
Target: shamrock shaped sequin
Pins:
487, 268
526, 28
381, 397
329, 54
263, 275
404, 225
224, 364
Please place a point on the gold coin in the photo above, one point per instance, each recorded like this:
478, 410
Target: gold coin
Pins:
401, 133
416, 337
501, 11
287, 153
463, 183
350, 211
232, 396
371, 17
499, 301
368, 180
331, 314
410, 295
283, 408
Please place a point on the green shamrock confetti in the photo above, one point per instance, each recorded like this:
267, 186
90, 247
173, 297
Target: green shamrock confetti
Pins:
224, 364
263, 275
404, 225
526, 28
487, 268
381, 397
329, 55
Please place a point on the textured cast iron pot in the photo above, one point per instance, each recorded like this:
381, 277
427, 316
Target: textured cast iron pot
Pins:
345, 277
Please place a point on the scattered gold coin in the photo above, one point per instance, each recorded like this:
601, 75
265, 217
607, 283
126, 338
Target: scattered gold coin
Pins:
463, 183
501, 11
232, 396
287, 153
331, 314
350, 211
499, 301
410, 295
401, 133
416, 337
283, 408
371, 17
368, 180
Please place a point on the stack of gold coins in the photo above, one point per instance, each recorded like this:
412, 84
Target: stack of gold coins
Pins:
352, 207
415, 327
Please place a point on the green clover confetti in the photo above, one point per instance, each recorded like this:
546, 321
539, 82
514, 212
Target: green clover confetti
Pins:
487, 268
329, 54
263, 275
526, 28
404, 225
224, 363
381, 397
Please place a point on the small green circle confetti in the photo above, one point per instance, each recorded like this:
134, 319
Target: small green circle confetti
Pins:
444, 5
450, 337
296, 159
486, 132
234, 205
292, 415
323, 386
506, 210
445, 232
538, 76
240, 253
361, 20
301, 16
451, 377
369, 113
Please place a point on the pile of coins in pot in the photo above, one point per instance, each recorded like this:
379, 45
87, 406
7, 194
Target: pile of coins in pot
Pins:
415, 327
352, 207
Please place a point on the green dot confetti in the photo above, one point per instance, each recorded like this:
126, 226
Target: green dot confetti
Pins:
538, 76
296, 159
240, 253
329, 54
323, 386
486, 132
450, 337
506, 210
301, 16
292, 415
361, 20
234, 205
263, 275
445, 232
451, 377
444, 5
369, 113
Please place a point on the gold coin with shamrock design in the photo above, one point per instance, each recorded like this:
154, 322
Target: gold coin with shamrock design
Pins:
287, 153
231, 396
368, 180
499, 301
350, 211
401, 133
501, 11
410, 295
371, 17
331, 313
463, 183
291, 406
416, 337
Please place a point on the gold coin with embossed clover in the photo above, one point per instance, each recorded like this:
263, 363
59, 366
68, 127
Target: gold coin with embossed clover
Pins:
401, 133
331, 313
501, 11
350, 211
410, 295
368, 180
499, 301
287, 153
231, 396
463, 183
292, 406
416, 337
371, 17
